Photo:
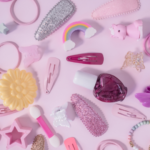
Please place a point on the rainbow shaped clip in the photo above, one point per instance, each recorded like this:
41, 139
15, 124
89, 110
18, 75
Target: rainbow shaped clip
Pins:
89, 31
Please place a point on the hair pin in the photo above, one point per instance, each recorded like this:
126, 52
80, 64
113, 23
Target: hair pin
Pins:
127, 112
87, 58
52, 72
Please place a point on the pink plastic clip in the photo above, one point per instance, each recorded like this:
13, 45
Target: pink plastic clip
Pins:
127, 112
4, 111
52, 72
71, 144
87, 58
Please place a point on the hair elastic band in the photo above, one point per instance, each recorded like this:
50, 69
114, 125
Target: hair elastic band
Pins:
19, 58
20, 22
147, 42
106, 143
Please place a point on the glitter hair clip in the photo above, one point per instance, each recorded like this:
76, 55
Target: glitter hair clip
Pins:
93, 122
135, 60
56, 17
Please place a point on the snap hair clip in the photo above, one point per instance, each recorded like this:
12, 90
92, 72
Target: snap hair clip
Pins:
19, 57
19, 21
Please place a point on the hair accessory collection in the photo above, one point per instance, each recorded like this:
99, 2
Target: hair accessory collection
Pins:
19, 58
127, 112
3, 28
56, 17
135, 60
132, 131
68, 44
134, 30
144, 98
18, 88
21, 22
16, 134
116, 8
87, 58
93, 122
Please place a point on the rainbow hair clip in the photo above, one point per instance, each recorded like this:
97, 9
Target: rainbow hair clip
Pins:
89, 31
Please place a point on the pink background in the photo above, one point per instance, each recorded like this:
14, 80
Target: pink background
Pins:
113, 50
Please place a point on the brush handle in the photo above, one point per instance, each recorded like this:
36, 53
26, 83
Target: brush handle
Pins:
45, 127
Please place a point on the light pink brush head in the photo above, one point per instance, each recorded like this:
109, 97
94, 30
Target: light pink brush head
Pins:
93, 122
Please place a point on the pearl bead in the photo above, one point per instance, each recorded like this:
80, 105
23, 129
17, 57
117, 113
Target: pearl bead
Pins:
139, 124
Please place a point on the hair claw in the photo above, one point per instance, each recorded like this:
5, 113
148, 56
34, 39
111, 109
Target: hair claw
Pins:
52, 71
87, 58
127, 112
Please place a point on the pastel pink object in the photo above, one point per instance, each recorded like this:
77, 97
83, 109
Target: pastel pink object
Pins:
51, 74
4, 111
16, 135
21, 22
5, 0
127, 112
134, 30
30, 54
146, 45
93, 122
71, 144
116, 8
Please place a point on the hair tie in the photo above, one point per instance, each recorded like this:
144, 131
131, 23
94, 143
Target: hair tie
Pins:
147, 41
19, 58
105, 143
17, 20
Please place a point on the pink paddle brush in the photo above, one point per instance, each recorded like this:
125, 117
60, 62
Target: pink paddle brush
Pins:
116, 8
88, 116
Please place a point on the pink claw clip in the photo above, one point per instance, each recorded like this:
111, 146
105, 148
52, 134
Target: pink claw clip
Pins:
71, 144
52, 72
87, 58
4, 111
127, 112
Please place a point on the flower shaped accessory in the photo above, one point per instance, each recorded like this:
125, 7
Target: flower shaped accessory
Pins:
135, 60
17, 89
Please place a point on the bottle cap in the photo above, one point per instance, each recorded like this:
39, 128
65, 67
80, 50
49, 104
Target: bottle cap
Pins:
85, 79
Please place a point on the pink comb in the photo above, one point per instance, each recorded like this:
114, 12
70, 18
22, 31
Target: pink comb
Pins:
52, 72
87, 58
31, 54
90, 119
4, 111
71, 144
127, 112
116, 8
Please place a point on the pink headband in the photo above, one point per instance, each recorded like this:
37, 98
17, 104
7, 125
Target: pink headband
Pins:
105, 143
147, 41
16, 46
17, 20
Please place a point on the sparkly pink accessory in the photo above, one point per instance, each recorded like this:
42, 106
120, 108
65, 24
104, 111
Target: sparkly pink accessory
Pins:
88, 116
116, 8
31, 54
105, 143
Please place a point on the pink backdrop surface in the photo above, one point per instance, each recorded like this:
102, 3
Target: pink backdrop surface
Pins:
113, 50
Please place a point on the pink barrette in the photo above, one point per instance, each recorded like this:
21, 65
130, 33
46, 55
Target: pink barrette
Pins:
116, 8
147, 44
52, 71
93, 122
127, 112
135, 60
31, 54
4, 111
17, 20
16, 135
87, 58
19, 58
134, 30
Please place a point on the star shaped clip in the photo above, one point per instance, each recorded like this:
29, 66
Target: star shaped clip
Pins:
135, 60
15, 135
3, 28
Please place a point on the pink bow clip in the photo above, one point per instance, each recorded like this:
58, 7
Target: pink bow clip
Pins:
31, 54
